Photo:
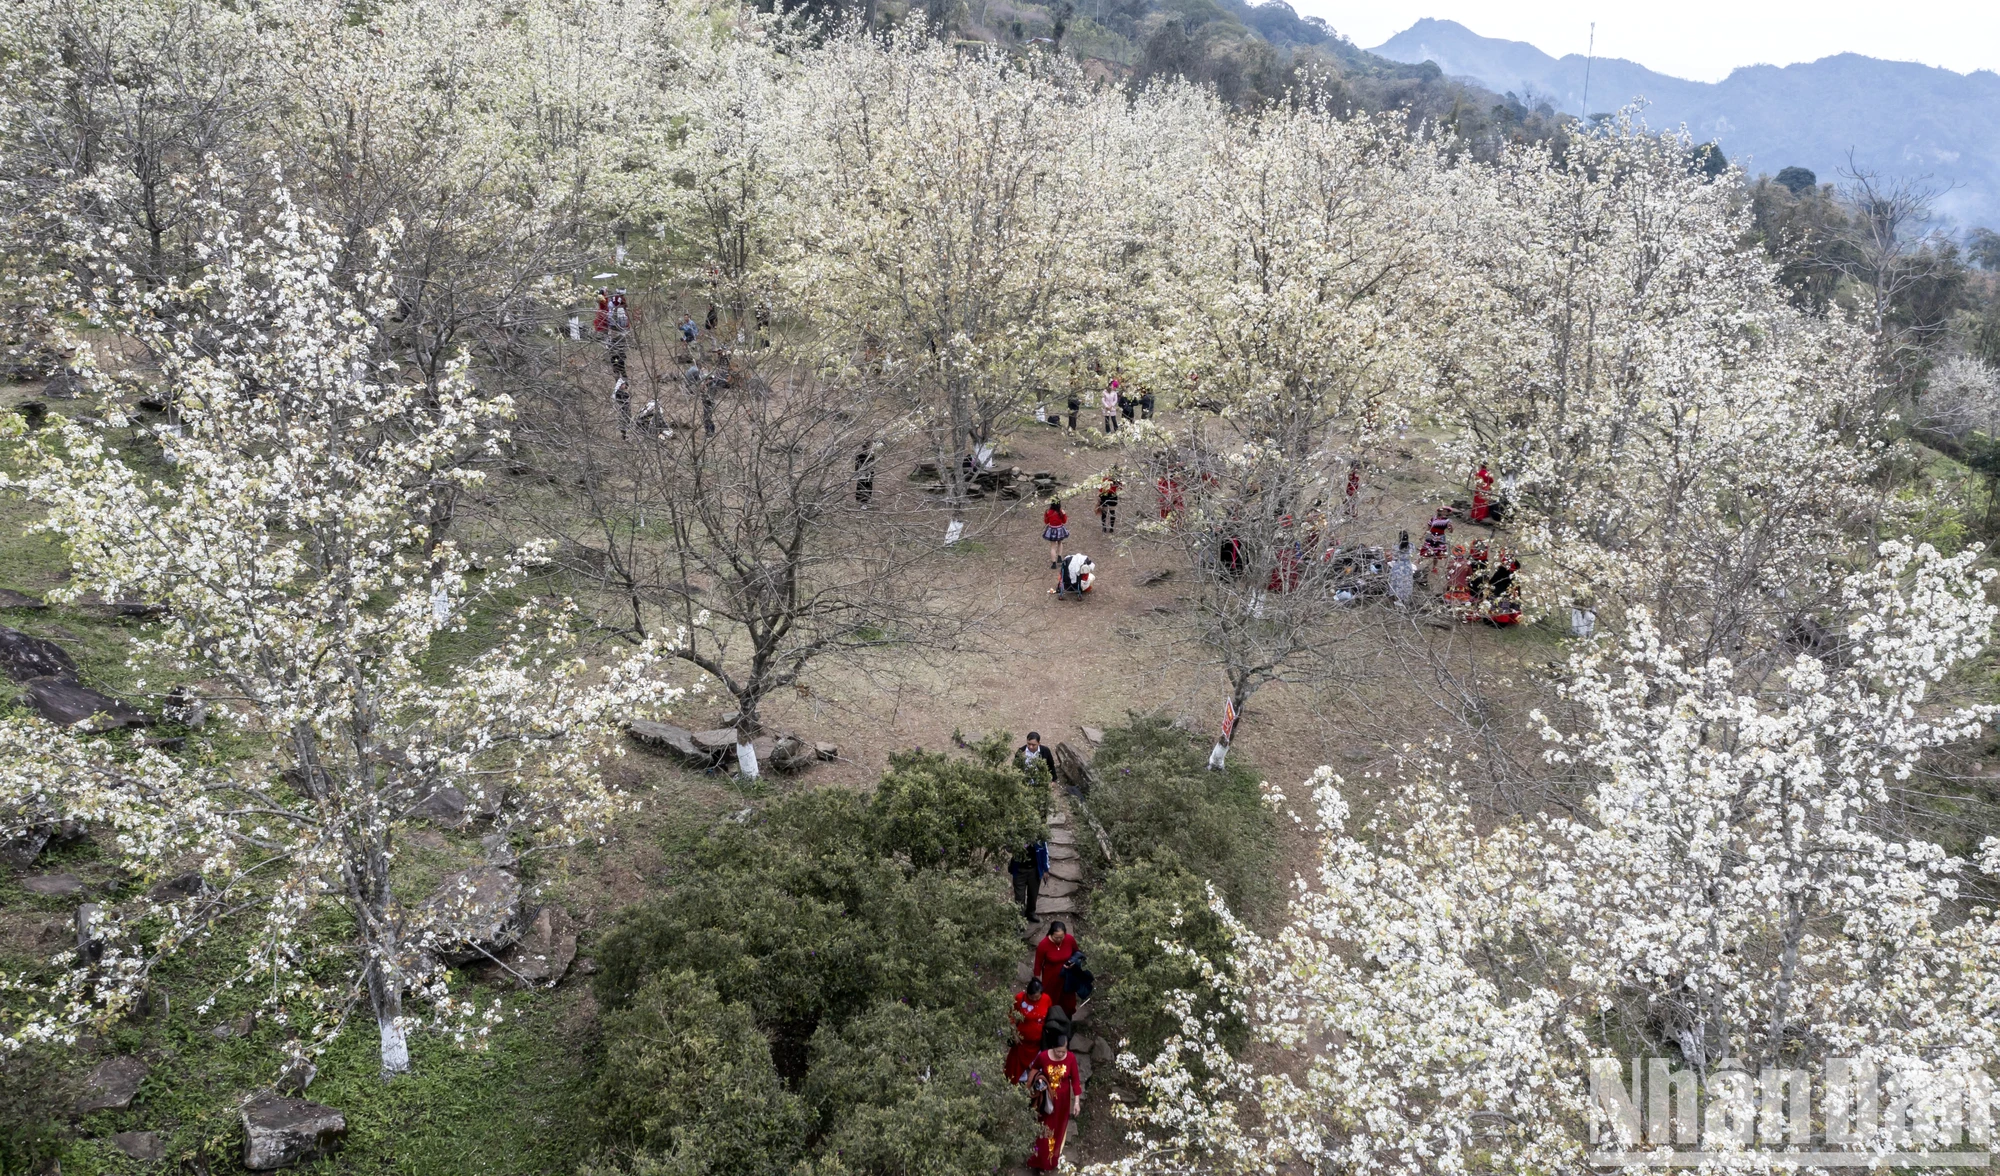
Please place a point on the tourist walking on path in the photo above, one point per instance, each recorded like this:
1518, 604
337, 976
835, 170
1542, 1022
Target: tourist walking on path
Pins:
1145, 403
1051, 954
1057, 1090
1029, 1014
1028, 869
1110, 404
1026, 755
1055, 529
1075, 406
1107, 502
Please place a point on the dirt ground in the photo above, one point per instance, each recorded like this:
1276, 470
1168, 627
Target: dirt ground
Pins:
1036, 663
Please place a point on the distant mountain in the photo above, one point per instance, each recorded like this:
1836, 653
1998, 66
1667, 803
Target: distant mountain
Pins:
1898, 117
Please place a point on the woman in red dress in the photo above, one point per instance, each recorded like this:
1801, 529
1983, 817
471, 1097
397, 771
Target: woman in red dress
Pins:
1050, 955
1057, 1090
1482, 493
1030, 1012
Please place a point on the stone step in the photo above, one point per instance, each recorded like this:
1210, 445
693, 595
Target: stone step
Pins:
1058, 817
1061, 835
1065, 905
1025, 972
1069, 869
1054, 887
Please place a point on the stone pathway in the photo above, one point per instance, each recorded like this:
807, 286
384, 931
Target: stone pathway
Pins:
1062, 899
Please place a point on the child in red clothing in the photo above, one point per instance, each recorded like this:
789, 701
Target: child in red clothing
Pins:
1030, 1013
1055, 529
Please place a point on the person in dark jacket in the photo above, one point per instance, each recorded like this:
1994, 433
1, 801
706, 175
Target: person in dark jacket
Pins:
1028, 868
1032, 750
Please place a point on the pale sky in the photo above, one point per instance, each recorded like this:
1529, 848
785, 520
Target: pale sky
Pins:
1701, 39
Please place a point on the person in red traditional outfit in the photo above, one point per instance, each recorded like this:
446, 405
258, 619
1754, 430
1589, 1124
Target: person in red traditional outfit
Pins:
1057, 1090
1029, 1014
1436, 545
1050, 955
1482, 493
1456, 586
602, 322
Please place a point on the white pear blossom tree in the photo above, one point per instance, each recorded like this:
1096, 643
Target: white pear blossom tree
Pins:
1735, 896
1666, 429
286, 536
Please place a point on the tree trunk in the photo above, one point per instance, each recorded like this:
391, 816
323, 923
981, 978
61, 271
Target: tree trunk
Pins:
385, 992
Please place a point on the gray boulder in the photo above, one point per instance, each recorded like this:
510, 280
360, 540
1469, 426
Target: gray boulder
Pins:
181, 886
280, 1132
716, 743
473, 914
112, 1085
445, 806
792, 754
545, 950
666, 737
26, 658
67, 704
145, 1146
12, 599
20, 852
52, 885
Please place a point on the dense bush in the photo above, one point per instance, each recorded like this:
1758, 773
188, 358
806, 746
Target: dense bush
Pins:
865, 948
1176, 827
689, 1086
939, 809
1140, 905
1155, 792
901, 1090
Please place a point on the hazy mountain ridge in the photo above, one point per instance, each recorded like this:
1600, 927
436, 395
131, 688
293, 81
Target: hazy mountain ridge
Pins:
1898, 117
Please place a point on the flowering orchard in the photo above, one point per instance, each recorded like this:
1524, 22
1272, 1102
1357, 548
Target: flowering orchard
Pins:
350, 256
290, 550
1440, 987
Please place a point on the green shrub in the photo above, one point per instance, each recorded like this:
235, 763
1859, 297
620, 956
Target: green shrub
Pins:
939, 809
871, 981
688, 1084
800, 919
1155, 792
1140, 905
901, 1090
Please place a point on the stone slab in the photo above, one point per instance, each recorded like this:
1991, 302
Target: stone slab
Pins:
52, 885
112, 1085
281, 1132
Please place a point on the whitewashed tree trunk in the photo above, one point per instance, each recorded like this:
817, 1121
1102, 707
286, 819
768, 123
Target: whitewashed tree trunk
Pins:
1217, 755
746, 760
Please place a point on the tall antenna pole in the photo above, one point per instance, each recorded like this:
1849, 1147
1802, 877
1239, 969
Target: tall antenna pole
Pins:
1588, 54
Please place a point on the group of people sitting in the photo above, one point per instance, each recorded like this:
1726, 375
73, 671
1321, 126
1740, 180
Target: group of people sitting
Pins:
1477, 576
1040, 1060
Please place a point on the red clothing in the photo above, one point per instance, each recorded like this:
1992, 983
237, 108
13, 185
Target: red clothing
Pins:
1482, 489
1052, 1108
1054, 518
1033, 1015
1049, 961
